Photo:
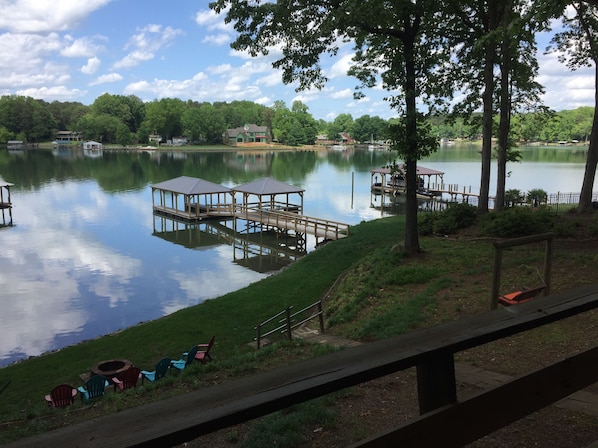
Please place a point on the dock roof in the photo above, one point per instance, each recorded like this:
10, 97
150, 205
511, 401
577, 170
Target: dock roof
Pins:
191, 185
267, 186
422, 171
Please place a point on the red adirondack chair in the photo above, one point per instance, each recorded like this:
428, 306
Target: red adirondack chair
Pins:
127, 379
62, 395
203, 352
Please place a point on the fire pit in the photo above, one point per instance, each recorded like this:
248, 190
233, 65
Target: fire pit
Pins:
111, 367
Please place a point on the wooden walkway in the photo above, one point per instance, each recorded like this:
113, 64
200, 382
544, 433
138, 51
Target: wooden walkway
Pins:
282, 220
321, 228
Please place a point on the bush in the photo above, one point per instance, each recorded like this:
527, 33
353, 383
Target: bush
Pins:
515, 222
536, 197
456, 217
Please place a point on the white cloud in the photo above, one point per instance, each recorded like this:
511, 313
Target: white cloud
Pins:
213, 22
217, 39
92, 66
133, 59
340, 67
80, 48
342, 94
149, 40
57, 93
34, 16
103, 79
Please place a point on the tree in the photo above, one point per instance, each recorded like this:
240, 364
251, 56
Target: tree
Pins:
164, 117
578, 46
369, 129
398, 43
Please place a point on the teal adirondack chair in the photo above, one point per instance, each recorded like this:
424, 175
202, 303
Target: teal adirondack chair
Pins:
94, 388
161, 369
187, 359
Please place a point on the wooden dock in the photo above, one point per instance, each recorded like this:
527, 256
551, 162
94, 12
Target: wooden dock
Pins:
283, 220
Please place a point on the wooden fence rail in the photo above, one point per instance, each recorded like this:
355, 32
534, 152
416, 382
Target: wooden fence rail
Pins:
287, 324
179, 419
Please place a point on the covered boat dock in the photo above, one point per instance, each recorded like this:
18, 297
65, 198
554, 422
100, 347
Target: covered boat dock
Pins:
192, 198
262, 203
388, 181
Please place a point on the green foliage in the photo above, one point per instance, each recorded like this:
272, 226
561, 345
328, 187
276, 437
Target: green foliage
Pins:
455, 217
515, 222
404, 316
536, 197
378, 270
513, 197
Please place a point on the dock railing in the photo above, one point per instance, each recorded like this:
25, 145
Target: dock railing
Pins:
298, 223
286, 322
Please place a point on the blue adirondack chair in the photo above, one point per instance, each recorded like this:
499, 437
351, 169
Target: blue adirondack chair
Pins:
161, 369
94, 388
187, 359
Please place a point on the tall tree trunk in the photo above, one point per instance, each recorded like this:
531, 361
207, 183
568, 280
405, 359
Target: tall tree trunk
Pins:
505, 108
411, 231
585, 198
487, 128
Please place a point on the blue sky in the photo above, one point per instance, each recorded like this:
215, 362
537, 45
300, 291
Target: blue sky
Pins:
73, 50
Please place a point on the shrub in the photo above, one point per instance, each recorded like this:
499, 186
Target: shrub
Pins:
457, 216
513, 197
515, 222
536, 197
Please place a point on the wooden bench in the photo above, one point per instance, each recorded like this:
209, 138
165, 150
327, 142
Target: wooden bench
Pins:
525, 295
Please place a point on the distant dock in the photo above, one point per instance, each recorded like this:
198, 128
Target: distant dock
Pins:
5, 203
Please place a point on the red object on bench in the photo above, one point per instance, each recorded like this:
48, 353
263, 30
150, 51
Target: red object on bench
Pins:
525, 295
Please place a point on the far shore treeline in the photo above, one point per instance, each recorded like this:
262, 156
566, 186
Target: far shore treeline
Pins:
127, 120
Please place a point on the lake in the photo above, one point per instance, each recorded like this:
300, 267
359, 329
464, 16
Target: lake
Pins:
86, 256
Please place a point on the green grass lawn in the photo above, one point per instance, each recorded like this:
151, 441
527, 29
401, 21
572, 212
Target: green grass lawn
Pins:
230, 318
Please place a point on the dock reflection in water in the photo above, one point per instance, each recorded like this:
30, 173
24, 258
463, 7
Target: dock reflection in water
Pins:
260, 250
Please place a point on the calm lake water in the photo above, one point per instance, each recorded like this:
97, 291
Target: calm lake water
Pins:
86, 256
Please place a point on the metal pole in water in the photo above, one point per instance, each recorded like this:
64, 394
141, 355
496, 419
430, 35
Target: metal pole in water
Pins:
352, 187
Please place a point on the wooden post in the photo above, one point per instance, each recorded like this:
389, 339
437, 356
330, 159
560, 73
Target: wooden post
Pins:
288, 319
436, 384
257, 338
321, 316
548, 264
496, 271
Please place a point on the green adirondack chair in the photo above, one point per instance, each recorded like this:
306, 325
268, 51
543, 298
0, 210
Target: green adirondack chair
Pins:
94, 388
161, 369
186, 360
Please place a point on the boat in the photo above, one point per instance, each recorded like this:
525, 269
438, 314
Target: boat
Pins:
339, 147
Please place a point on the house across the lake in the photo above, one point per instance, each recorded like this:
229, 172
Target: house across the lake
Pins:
250, 133
67, 137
